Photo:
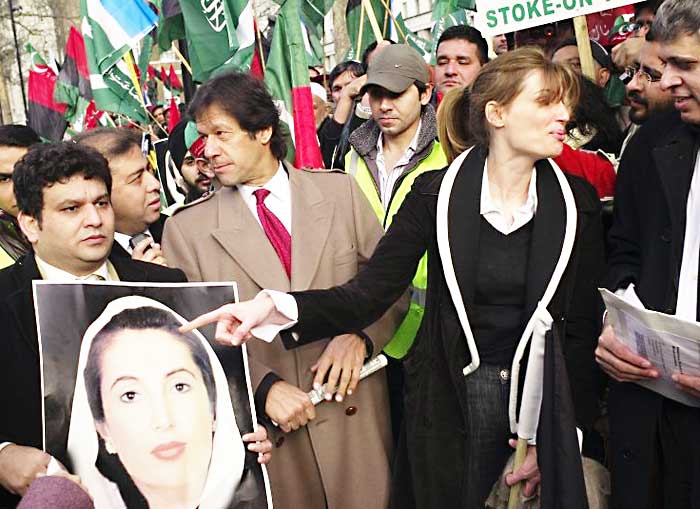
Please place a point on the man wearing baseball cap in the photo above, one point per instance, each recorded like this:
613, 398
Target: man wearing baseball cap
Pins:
388, 152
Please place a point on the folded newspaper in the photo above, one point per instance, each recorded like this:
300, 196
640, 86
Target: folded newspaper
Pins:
671, 344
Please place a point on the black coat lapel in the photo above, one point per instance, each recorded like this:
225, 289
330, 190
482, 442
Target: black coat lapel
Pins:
547, 235
21, 301
127, 269
464, 222
675, 161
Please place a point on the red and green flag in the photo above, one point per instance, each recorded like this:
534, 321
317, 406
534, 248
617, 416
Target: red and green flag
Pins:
287, 77
175, 83
74, 79
173, 115
45, 116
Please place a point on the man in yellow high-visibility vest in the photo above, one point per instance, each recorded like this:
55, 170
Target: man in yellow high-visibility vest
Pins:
388, 152
15, 140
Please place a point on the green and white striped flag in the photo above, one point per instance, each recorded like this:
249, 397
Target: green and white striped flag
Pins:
110, 29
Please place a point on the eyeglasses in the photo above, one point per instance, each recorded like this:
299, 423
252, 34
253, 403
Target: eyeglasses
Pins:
632, 71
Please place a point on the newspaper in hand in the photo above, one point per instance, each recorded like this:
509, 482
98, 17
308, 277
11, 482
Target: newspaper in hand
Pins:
671, 344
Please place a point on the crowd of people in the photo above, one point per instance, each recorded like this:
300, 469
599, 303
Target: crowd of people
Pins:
466, 217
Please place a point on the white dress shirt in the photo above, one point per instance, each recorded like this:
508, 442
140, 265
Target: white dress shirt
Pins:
279, 201
388, 178
51, 273
686, 305
123, 240
496, 218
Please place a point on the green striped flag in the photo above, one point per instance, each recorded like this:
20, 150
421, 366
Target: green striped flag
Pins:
110, 29
353, 14
313, 13
220, 35
287, 77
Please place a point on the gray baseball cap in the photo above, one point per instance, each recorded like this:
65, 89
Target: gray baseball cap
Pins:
396, 68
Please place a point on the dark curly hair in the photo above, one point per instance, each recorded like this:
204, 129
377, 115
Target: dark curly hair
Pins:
45, 164
247, 100
142, 318
16, 135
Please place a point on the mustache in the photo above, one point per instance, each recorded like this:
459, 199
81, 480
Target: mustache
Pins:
637, 97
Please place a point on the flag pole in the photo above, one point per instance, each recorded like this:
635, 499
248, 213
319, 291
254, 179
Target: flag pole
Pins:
181, 57
129, 59
583, 42
393, 18
373, 20
358, 45
258, 37
520, 454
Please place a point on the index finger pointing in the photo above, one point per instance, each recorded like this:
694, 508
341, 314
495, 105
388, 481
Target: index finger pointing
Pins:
201, 321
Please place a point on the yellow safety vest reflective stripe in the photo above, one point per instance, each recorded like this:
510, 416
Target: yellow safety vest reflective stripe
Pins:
401, 343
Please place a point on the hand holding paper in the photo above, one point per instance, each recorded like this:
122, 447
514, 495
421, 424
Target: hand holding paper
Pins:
619, 361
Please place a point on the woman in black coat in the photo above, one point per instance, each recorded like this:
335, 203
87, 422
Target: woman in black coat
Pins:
514, 246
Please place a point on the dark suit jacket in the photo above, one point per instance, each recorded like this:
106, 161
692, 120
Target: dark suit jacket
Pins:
156, 230
646, 242
436, 409
20, 420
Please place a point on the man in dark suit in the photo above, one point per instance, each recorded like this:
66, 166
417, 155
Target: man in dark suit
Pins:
135, 193
63, 197
655, 245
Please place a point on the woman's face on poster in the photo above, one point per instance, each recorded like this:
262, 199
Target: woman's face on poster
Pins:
157, 414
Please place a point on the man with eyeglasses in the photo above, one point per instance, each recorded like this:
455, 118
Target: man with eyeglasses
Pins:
642, 84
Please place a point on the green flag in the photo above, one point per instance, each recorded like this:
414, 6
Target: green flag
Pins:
171, 25
454, 18
353, 14
313, 13
404, 34
220, 35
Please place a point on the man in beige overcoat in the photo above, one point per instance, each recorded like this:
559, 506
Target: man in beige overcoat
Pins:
310, 229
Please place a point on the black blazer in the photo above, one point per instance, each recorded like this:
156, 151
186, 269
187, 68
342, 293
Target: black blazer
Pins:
646, 241
435, 404
20, 420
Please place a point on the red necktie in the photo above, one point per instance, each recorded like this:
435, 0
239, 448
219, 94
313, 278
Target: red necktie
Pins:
278, 235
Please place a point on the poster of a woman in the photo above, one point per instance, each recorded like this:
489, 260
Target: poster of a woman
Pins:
152, 421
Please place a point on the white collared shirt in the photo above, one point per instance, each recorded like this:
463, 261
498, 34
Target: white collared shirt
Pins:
496, 218
279, 201
388, 178
686, 305
123, 240
51, 273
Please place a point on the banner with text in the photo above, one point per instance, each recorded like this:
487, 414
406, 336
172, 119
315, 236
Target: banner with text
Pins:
503, 16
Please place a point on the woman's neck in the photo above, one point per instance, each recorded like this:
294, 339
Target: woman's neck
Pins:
509, 177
